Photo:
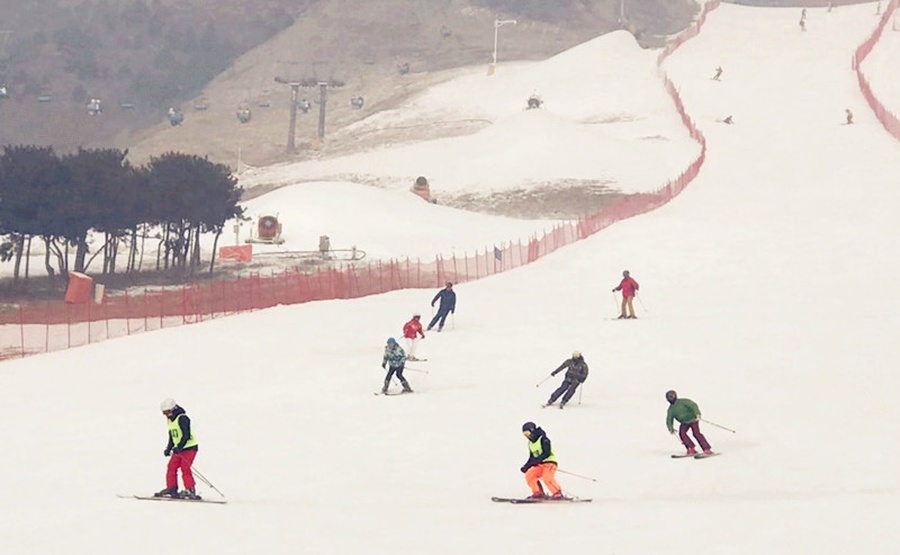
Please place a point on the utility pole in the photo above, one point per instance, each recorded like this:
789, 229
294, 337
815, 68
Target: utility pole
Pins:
497, 24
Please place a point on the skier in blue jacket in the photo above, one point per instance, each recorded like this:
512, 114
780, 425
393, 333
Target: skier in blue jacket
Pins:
448, 306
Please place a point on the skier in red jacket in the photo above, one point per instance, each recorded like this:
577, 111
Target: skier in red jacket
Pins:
411, 332
629, 289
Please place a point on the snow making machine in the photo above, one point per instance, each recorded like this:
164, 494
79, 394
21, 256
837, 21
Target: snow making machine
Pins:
268, 231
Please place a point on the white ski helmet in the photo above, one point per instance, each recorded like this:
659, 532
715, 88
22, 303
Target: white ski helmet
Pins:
167, 405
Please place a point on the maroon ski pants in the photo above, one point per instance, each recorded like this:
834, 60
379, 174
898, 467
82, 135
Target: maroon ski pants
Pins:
694, 427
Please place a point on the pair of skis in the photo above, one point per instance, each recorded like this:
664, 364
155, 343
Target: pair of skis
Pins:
167, 498
695, 455
532, 500
392, 393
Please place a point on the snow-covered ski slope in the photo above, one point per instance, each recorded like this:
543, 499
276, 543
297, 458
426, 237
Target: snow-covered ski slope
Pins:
769, 296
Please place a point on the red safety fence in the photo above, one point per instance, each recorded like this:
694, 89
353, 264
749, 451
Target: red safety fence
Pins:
888, 119
55, 325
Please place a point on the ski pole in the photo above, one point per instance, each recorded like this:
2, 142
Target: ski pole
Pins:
580, 391
615, 302
576, 475
718, 425
640, 300
205, 481
542, 381
416, 370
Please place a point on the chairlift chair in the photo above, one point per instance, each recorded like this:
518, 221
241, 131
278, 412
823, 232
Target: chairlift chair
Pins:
175, 116
93, 107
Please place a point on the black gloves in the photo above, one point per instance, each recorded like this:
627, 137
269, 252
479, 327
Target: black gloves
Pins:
167, 452
524, 469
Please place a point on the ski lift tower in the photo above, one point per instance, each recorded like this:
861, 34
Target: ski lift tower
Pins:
295, 94
323, 88
292, 126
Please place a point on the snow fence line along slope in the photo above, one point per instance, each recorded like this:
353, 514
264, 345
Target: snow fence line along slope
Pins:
27, 330
889, 120
55, 325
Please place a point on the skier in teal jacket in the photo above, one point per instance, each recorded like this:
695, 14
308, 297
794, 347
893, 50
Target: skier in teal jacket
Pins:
687, 413
394, 361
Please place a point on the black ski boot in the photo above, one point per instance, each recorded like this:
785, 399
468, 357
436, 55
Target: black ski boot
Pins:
168, 492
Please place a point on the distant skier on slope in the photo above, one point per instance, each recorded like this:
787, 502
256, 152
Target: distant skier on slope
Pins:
576, 374
448, 306
718, 73
629, 288
849, 115
181, 450
541, 463
687, 413
411, 332
394, 361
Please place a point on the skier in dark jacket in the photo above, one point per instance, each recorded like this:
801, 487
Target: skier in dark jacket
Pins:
448, 306
576, 374
541, 463
687, 413
181, 450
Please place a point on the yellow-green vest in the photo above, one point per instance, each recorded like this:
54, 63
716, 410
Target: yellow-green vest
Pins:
537, 451
175, 433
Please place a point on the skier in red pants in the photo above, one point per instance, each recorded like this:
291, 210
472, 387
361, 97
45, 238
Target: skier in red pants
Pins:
181, 450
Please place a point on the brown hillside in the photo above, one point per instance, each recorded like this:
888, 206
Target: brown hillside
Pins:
360, 44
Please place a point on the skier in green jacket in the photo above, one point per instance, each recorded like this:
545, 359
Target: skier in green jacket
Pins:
687, 413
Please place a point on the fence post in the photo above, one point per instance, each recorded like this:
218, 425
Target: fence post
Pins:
47, 327
89, 303
22, 328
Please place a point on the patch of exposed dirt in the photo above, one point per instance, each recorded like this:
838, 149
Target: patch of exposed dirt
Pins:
564, 199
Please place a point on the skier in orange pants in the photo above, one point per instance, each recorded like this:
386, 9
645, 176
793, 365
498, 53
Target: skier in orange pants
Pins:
541, 464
